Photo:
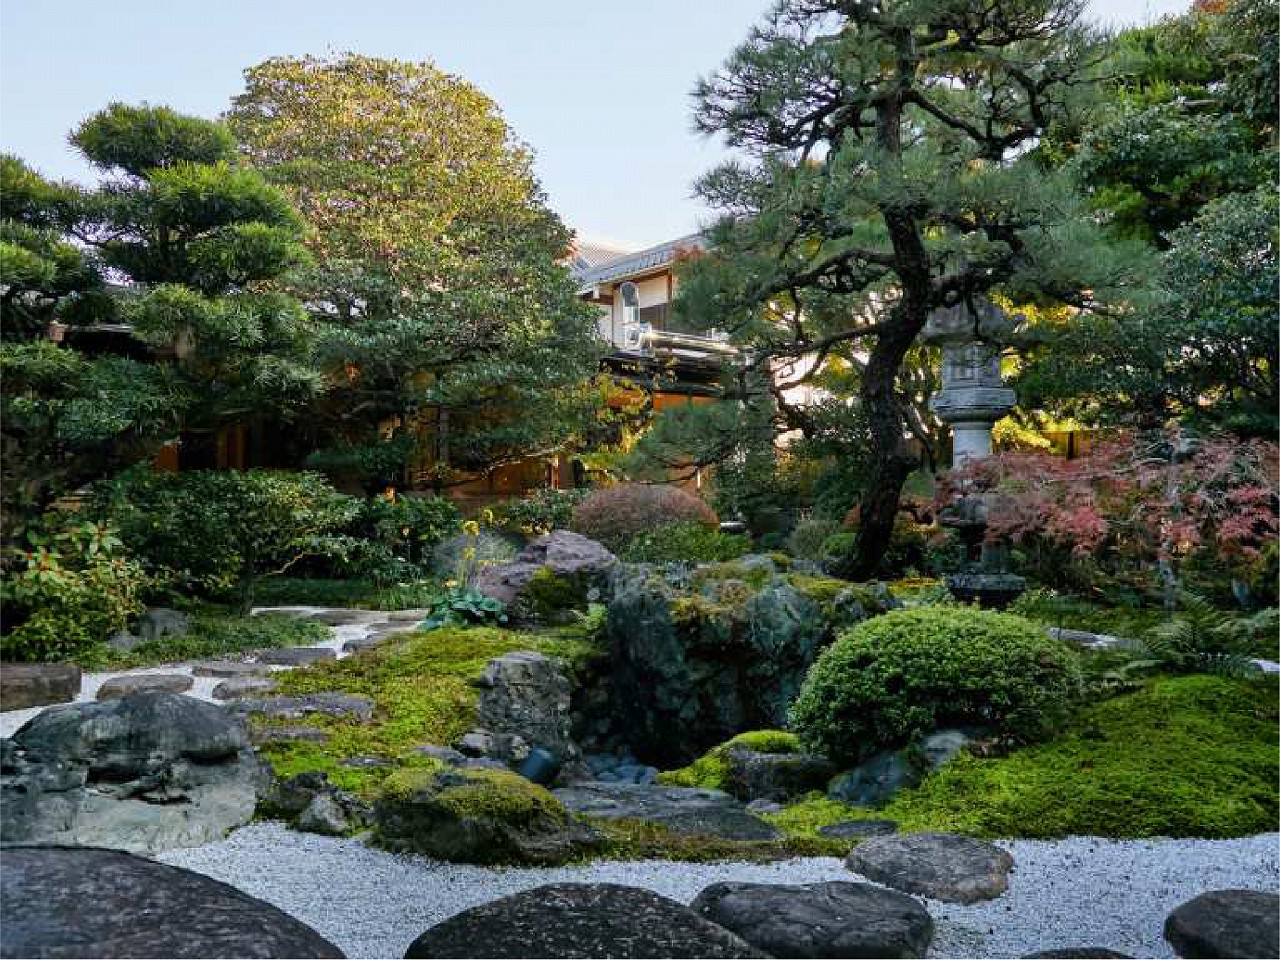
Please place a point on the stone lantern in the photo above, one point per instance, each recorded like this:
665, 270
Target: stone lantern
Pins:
973, 397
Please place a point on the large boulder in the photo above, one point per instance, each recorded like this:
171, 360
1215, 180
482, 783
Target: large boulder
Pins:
697, 658
557, 572
761, 775
469, 815
580, 920
941, 866
1226, 923
142, 773
87, 902
524, 705
819, 919
24, 685
678, 809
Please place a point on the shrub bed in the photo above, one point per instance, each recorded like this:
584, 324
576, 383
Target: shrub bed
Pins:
901, 675
615, 515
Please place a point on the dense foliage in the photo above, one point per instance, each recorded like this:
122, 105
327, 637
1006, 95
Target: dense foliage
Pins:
217, 533
615, 515
1140, 512
452, 331
686, 542
909, 672
890, 171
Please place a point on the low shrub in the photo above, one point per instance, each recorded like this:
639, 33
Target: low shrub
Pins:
1199, 639
688, 542
615, 515
907, 548
216, 634
459, 607
807, 539
216, 533
408, 527
74, 586
540, 512
903, 674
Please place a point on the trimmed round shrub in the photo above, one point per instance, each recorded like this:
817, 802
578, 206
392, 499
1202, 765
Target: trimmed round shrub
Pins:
614, 515
901, 675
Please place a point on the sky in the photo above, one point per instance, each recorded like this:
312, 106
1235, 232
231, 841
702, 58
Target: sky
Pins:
599, 89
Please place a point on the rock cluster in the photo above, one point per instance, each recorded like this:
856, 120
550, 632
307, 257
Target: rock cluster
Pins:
143, 773
555, 573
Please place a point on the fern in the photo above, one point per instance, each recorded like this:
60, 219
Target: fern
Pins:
1199, 639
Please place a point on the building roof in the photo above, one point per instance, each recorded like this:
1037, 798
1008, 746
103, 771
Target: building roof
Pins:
642, 261
590, 254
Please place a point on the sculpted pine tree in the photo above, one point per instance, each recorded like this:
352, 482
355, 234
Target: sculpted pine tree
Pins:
892, 171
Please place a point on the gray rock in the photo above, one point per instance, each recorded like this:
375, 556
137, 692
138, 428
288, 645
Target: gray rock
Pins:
484, 763
679, 809
146, 772
1226, 923
229, 668
122, 641
941, 866
476, 743
348, 706
413, 617
819, 919
366, 762
574, 920
875, 781
290, 796
24, 685
443, 754
477, 816
162, 622
524, 703
753, 775
849, 829
118, 687
85, 902
237, 687
287, 733
325, 816
296, 656
764, 806
582, 564
697, 658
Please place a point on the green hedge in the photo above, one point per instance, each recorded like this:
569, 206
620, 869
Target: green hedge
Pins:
908, 672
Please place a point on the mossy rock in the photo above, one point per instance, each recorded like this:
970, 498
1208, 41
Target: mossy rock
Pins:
757, 765
475, 816
549, 596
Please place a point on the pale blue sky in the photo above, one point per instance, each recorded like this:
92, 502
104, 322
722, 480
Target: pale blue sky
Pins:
598, 88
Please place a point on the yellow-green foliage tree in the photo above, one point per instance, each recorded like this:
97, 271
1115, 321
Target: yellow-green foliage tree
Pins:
437, 262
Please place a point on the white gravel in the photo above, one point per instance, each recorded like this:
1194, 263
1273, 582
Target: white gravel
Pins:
202, 689
1082, 891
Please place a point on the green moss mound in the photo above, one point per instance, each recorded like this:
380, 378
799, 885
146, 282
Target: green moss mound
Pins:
711, 770
901, 675
422, 690
1192, 756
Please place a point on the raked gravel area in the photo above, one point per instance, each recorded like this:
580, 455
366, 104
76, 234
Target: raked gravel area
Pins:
1081, 891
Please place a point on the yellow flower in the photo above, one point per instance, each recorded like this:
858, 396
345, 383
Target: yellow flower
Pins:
471, 528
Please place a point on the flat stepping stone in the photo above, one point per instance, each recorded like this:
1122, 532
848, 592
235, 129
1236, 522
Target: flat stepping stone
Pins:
262, 736
86, 902
296, 656
848, 829
118, 687
679, 809
1226, 923
339, 705
236, 687
24, 685
819, 919
941, 866
580, 920
229, 668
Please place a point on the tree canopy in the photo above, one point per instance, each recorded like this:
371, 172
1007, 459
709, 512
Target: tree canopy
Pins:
892, 169
452, 326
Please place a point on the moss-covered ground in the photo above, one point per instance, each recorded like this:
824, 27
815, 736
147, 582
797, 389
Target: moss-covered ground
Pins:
711, 770
1191, 756
421, 686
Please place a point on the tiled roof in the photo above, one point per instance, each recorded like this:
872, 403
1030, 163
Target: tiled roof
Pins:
642, 261
587, 255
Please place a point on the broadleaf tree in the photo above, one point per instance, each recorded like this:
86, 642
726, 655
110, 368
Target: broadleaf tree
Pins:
451, 328
890, 169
